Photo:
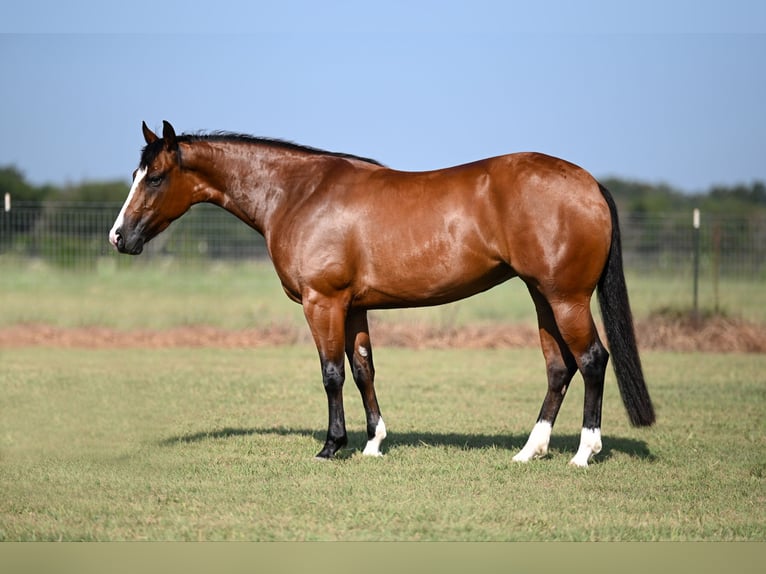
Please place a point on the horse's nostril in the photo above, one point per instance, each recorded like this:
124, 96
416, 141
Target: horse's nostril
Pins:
115, 238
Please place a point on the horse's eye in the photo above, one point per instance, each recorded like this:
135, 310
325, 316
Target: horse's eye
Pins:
154, 180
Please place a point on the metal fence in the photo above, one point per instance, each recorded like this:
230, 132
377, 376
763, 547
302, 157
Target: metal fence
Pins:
74, 235
731, 246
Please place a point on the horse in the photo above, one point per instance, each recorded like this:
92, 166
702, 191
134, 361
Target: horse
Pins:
347, 234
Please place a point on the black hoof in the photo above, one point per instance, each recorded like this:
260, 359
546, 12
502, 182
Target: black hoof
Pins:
330, 448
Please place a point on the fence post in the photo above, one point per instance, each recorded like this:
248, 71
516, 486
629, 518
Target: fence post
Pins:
696, 242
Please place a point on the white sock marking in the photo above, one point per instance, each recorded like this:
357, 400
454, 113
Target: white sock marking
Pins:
537, 443
140, 174
373, 445
590, 444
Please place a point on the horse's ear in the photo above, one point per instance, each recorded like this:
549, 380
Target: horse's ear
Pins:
149, 135
169, 136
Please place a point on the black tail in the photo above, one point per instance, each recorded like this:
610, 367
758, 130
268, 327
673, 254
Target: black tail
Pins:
618, 322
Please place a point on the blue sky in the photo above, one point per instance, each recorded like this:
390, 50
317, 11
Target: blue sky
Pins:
668, 92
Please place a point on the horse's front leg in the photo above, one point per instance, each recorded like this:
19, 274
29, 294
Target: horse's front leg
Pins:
359, 353
326, 318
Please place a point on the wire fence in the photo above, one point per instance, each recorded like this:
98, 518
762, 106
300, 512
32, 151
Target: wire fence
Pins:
731, 246
74, 235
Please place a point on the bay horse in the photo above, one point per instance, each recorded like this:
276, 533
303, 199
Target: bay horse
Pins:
347, 234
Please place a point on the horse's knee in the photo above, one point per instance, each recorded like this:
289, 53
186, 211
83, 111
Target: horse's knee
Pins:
362, 370
333, 376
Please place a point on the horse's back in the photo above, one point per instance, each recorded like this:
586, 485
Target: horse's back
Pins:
512, 207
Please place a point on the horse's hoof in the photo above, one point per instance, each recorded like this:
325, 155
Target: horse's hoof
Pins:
325, 454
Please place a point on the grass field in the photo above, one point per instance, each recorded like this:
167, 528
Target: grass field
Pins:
161, 296
216, 444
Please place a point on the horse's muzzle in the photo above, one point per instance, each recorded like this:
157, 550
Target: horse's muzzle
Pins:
131, 246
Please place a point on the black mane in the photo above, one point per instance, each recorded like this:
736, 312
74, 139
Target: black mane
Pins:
151, 151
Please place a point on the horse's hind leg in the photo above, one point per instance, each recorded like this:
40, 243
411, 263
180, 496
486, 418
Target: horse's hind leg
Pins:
561, 367
592, 361
578, 330
359, 353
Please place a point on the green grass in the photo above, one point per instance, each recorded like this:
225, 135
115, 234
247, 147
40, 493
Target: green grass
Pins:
218, 445
159, 296
152, 297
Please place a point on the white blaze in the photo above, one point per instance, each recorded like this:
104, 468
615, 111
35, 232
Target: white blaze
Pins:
140, 174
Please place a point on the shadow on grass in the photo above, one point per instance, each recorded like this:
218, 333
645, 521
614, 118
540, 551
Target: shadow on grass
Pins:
356, 440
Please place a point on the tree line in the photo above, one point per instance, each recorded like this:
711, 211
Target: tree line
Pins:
641, 198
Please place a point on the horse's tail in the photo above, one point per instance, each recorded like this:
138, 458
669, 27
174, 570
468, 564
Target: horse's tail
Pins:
618, 322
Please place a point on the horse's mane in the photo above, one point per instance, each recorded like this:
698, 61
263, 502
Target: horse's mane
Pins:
151, 151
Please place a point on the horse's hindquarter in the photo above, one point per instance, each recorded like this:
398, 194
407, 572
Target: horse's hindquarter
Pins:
557, 224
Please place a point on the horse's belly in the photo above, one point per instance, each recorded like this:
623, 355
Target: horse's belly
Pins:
428, 285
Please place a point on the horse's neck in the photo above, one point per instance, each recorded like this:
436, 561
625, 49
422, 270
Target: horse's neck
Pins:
253, 182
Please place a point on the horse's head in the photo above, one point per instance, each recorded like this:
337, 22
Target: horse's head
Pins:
159, 193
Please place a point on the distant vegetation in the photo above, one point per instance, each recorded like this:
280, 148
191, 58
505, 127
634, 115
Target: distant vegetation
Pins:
633, 197
13, 181
640, 198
